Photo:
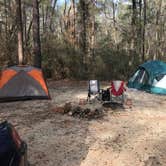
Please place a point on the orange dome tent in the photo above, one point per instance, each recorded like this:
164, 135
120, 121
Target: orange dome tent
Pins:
22, 82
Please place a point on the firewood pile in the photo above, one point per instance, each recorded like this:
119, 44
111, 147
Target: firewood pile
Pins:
80, 111
92, 110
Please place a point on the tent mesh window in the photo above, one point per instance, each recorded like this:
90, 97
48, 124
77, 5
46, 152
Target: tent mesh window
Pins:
145, 78
141, 76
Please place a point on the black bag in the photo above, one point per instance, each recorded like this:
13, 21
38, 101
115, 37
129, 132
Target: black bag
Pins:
11, 146
106, 95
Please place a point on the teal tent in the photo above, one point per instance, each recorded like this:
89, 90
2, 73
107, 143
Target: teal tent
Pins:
151, 77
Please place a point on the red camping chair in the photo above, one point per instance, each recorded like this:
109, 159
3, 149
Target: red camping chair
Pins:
117, 90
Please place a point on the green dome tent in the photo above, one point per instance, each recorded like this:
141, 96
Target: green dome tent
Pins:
151, 77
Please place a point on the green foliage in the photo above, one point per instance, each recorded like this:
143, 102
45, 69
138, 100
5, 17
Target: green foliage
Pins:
60, 60
114, 64
100, 46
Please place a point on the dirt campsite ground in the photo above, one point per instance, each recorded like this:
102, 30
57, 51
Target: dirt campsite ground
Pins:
122, 137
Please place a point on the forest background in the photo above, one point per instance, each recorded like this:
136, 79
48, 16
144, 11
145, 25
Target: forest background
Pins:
82, 39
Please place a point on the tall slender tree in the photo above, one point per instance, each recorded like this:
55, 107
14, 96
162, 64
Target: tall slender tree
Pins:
84, 12
19, 32
144, 32
36, 34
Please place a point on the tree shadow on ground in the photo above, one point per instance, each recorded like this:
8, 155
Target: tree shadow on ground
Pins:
114, 106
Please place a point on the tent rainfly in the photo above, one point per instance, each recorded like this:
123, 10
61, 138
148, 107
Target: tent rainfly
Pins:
22, 82
150, 77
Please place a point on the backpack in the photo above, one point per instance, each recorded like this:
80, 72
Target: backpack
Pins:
11, 146
106, 95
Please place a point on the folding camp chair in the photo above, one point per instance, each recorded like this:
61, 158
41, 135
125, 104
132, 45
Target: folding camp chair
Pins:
117, 90
93, 89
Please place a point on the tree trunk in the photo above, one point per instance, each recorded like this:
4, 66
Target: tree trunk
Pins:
43, 19
158, 29
19, 31
134, 15
84, 34
74, 22
113, 12
36, 35
52, 16
24, 24
143, 34
140, 27
6, 22
134, 26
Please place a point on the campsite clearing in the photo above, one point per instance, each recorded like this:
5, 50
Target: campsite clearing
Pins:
131, 137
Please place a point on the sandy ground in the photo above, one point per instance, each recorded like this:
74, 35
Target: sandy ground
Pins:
123, 137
